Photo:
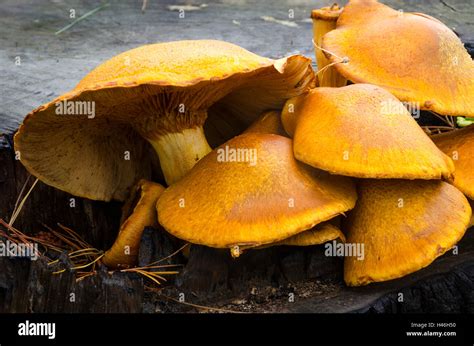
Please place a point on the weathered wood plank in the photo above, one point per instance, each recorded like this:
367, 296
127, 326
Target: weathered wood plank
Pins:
51, 65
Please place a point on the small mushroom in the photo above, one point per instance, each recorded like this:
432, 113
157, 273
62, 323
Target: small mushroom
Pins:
251, 191
459, 145
319, 234
403, 226
138, 212
269, 122
363, 131
155, 98
414, 56
324, 20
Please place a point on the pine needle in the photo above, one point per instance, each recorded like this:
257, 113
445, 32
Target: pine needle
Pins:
88, 14
17, 210
197, 306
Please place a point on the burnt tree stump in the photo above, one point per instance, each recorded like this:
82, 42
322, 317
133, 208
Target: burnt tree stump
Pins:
52, 64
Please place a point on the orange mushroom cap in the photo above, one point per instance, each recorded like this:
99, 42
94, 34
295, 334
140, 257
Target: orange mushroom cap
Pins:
414, 56
459, 145
229, 201
403, 226
138, 212
361, 130
154, 98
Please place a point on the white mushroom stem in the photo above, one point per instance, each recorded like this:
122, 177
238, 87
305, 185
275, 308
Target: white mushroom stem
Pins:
324, 20
180, 151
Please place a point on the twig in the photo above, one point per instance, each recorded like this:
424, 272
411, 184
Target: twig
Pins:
197, 306
169, 256
88, 14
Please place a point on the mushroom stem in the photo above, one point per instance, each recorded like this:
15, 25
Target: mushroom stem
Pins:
324, 20
180, 151
138, 212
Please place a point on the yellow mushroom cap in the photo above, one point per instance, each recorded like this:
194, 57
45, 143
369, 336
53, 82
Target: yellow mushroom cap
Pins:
327, 13
227, 200
459, 145
361, 130
138, 212
158, 94
269, 122
403, 226
414, 56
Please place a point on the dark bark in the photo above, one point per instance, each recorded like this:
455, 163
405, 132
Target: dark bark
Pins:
29, 286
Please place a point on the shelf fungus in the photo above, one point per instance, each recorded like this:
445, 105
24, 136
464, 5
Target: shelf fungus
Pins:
459, 145
362, 131
414, 56
151, 102
138, 212
404, 226
249, 192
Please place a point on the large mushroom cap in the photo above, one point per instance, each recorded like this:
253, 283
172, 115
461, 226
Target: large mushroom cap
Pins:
414, 56
361, 130
227, 200
459, 145
404, 226
160, 94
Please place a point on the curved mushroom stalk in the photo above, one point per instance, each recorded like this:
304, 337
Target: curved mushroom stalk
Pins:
138, 212
324, 20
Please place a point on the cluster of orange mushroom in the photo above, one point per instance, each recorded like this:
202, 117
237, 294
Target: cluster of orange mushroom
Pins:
294, 151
